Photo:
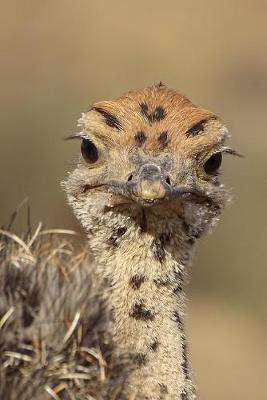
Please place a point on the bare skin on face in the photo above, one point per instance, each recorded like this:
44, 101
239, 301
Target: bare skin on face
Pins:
145, 189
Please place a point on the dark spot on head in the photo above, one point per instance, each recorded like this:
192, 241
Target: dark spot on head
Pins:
153, 345
163, 388
138, 358
140, 312
136, 281
110, 119
153, 116
163, 139
140, 138
196, 129
159, 114
144, 109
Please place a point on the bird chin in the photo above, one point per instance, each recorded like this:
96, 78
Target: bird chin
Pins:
158, 207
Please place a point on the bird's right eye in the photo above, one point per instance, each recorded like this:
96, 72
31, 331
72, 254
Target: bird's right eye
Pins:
89, 151
212, 165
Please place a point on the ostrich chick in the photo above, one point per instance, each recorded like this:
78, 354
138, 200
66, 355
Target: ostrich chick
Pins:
146, 187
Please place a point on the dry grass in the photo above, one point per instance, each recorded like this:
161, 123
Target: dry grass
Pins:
52, 343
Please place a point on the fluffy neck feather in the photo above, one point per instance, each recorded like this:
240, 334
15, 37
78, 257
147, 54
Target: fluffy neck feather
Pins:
142, 276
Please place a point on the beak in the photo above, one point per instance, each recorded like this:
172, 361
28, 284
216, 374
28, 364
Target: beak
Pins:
149, 184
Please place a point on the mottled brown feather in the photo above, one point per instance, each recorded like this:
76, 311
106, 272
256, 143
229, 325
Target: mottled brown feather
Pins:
180, 116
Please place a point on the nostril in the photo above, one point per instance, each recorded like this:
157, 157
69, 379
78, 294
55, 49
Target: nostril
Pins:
130, 178
168, 180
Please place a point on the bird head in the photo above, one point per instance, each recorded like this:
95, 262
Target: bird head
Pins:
149, 155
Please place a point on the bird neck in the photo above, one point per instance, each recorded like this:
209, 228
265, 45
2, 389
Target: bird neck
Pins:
143, 274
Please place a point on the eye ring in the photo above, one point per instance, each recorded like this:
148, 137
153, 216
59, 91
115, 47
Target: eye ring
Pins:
89, 151
212, 165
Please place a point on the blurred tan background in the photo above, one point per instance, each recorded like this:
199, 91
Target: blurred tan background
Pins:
58, 57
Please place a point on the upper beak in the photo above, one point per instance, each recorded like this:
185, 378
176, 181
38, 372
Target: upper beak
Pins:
149, 184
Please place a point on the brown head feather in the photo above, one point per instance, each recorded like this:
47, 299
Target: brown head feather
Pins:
152, 110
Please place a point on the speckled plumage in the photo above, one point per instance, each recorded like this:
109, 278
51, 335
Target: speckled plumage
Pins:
142, 248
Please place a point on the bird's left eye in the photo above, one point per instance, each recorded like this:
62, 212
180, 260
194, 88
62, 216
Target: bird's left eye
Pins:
212, 165
89, 151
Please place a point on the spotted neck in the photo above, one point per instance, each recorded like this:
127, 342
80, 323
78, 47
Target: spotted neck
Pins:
144, 275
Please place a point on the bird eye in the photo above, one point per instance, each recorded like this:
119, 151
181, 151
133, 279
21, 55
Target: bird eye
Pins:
212, 165
89, 151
